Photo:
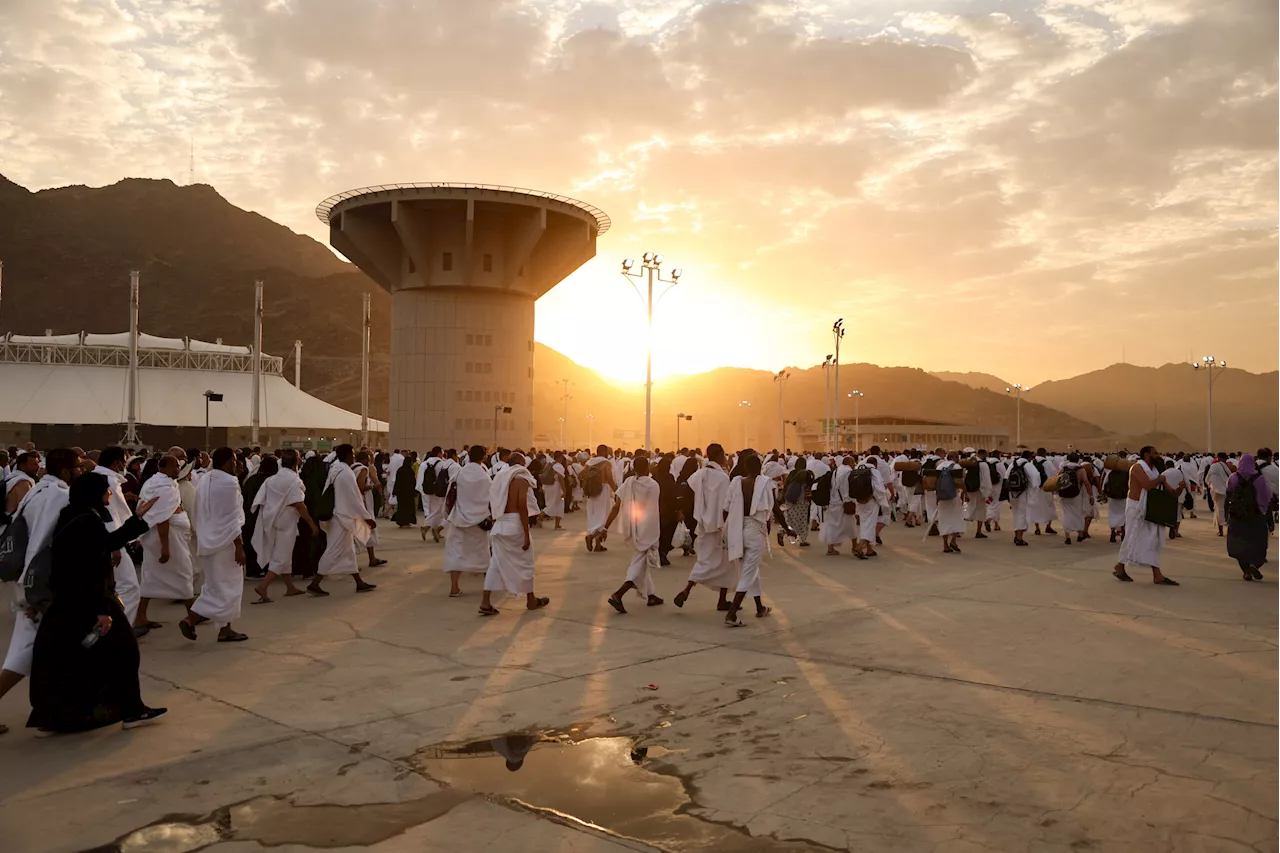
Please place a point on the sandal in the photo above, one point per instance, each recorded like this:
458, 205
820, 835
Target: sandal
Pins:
455, 594
188, 630
488, 611
315, 590
1167, 582
734, 622
233, 637
654, 601
760, 614
262, 599
367, 587
591, 545
373, 564
680, 599
1122, 575
617, 605
539, 603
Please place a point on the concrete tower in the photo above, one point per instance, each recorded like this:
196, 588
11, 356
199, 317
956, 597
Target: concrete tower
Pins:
464, 264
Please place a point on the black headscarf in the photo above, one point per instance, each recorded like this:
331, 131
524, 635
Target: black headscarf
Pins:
87, 491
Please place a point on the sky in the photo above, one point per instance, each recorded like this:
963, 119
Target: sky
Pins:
1029, 189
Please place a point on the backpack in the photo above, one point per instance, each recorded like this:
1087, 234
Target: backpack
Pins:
441, 485
1069, 484
946, 485
910, 479
995, 472
547, 476
13, 549
451, 498
1017, 480
860, 486
1117, 485
592, 481
822, 489
795, 492
1242, 502
1039, 463
972, 479
429, 478
36, 587
4, 490
326, 502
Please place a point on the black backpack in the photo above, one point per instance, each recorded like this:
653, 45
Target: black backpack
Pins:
592, 481
1117, 485
972, 479
13, 549
326, 502
1017, 479
441, 485
910, 479
822, 489
1242, 501
429, 477
1069, 483
1039, 463
4, 491
860, 486
995, 472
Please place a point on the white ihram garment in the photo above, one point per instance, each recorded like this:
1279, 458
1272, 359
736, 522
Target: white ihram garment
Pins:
1142, 539
466, 546
125, 574
366, 497
836, 526
393, 468
174, 578
349, 527
949, 515
277, 529
710, 489
598, 507
746, 535
1041, 504
554, 494
1073, 509
640, 528
976, 508
510, 566
41, 507
219, 518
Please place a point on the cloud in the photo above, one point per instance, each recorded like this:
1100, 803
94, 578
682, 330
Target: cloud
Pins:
1052, 157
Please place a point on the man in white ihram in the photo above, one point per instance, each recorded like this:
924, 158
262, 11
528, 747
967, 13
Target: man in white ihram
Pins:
349, 528
466, 544
167, 571
111, 464
219, 519
281, 503
713, 569
637, 506
511, 563
1142, 539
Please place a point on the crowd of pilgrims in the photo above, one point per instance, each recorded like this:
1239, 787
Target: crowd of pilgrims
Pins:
91, 539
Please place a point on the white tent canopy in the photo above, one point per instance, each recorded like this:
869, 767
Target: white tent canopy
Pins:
121, 339
82, 394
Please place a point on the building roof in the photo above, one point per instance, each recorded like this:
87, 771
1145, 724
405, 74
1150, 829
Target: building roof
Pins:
85, 394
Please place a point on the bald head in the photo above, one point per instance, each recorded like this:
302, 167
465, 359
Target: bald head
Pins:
169, 466
178, 453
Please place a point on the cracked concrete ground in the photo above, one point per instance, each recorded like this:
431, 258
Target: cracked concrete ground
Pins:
1000, 699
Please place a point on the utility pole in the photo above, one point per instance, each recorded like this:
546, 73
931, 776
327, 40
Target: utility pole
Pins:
564, 422
651, 269
837, 330
131, 439
826, 423
297, 365
780, 379
364, 372
256, 409
1213, 367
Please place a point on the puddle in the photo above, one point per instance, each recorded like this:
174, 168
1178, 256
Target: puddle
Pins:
607, 783
611, 784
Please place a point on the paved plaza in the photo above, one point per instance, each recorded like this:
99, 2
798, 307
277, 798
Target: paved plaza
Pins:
1003, 699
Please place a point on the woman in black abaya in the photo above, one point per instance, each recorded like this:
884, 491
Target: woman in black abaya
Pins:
74, 688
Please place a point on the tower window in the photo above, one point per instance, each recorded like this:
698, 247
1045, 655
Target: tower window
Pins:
488, 340
446, 261
487, 263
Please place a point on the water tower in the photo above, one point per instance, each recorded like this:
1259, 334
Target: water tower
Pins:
464, 264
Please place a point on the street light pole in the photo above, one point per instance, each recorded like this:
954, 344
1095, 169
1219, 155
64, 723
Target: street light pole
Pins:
781, 379
591, 422
837, 330
681, 417
498, 410
743, 406
651, 270
564, 422
857, 414
1019, 388
1212, 367
826, 423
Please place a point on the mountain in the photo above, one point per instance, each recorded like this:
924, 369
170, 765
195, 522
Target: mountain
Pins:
974, 380
68, 253
1128, 399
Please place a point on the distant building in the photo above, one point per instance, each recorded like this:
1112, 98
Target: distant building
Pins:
63, 390
895, 432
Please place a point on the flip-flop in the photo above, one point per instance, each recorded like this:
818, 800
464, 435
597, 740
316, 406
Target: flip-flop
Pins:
540, 603
373, 564
617, 605
1167, 582
262, 599
1122, 576
654, 601
317, 591
680, 599
369, 587
734, 623
233, 637
454, 594
489, 611
760, 614
188, 630
590, 545
600, 548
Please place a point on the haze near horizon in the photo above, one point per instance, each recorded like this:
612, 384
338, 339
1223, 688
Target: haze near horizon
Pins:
998, 188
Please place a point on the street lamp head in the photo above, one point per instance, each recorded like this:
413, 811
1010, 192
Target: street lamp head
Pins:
648, 256
1222, 364
628, 263
676, 273
657, 260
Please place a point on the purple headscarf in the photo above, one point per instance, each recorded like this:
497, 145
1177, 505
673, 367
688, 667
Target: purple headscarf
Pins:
1261, 488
